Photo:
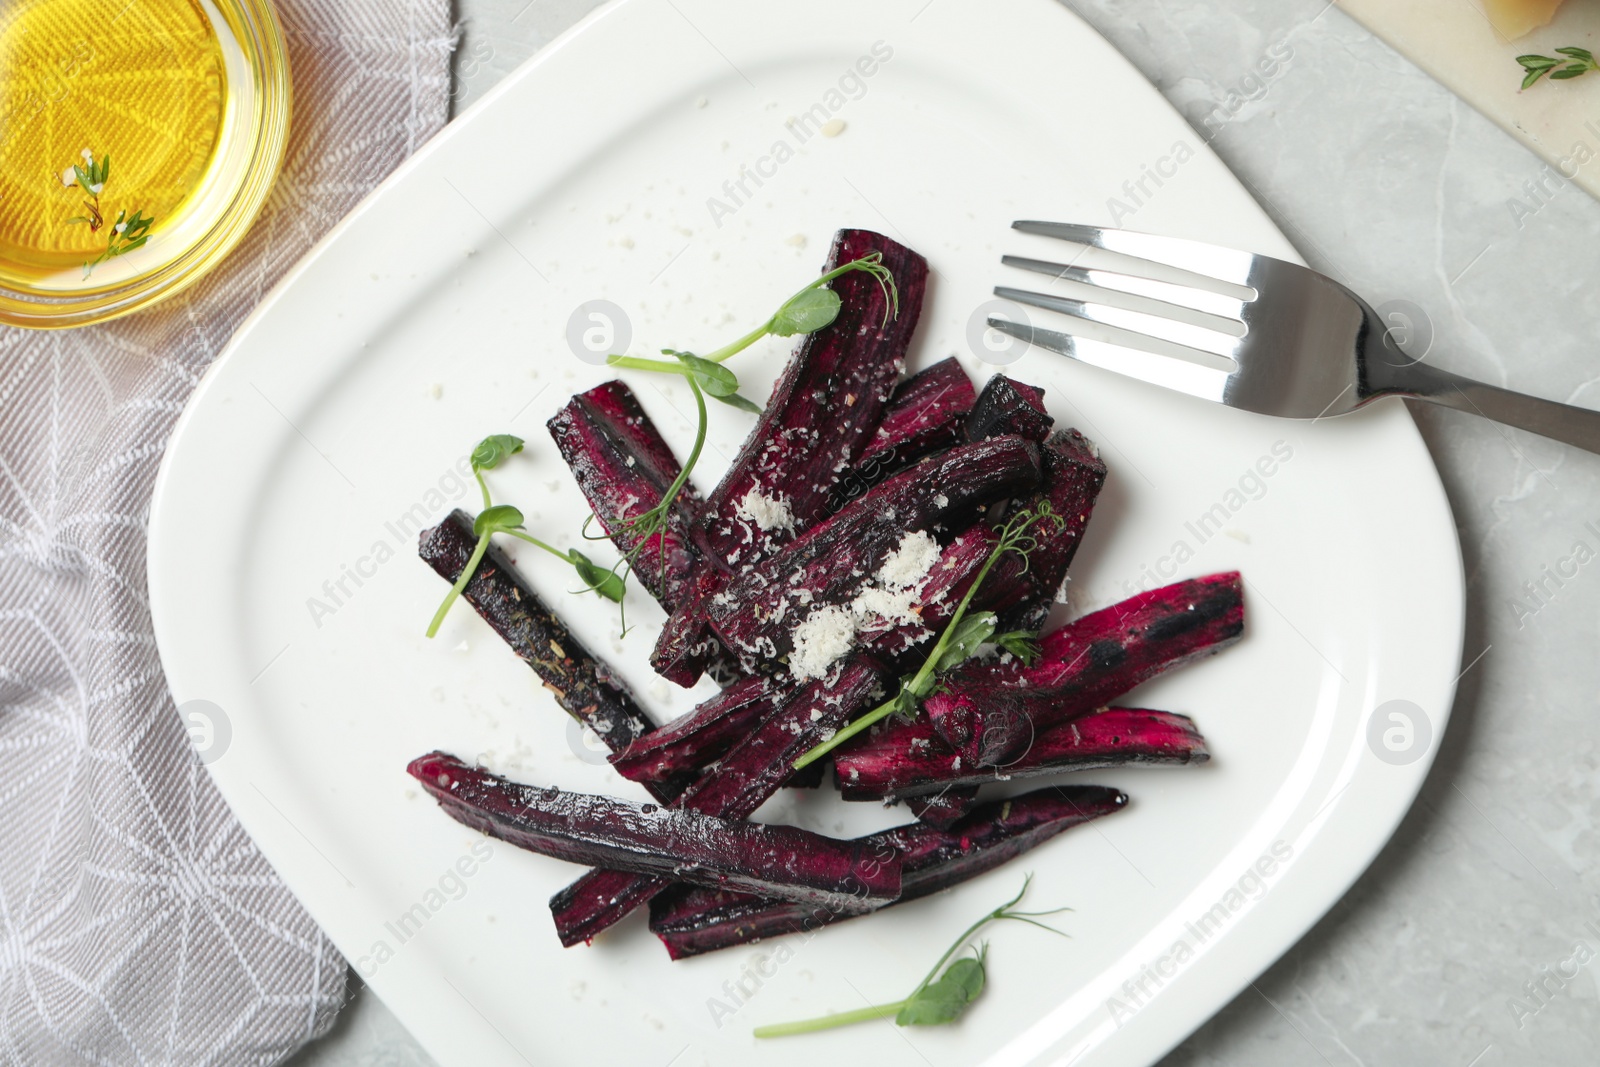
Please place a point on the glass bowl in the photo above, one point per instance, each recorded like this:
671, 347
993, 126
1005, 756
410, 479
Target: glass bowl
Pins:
76, 65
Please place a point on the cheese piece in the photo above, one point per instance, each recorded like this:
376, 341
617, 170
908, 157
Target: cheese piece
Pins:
1514, 18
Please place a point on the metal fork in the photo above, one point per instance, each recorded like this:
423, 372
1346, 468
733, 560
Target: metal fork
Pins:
1251, 332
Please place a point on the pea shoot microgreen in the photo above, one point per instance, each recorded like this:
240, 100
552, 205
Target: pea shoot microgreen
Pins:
944, 995
1567, 63
807, 311
962, 638
490, 453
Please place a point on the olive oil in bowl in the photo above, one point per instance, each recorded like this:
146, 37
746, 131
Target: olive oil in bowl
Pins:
138, 138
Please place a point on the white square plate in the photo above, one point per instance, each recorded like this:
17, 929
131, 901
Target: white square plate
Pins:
647, 159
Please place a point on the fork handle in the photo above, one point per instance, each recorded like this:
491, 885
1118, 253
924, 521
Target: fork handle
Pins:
1547, 418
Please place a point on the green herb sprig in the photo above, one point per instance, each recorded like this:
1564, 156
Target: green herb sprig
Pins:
807, 311
503, 518
963, 635
128, 233
944, 994
1567, 63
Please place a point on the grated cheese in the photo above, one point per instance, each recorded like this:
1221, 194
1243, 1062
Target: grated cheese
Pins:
891, 598
910, 562
821, 640
892, 605
769, 513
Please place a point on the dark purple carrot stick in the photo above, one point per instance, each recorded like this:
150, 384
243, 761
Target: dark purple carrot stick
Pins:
752, 771
582, 685
908, 759
623, 467
780, 861
686, 647
1073, 477
826, 407
690, 742
811, 776
821, 415
761, 612
597, 900
927, 413
945, 808
1192, 618
691, 920
1008, 406
988, 713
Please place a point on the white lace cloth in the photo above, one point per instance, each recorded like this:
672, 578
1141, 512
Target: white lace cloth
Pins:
138, 923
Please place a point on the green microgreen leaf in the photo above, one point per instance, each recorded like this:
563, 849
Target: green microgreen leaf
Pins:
499, 517
806, 312
934, 1006
1577, 53
493, 450
603, 581
906, 702
1021, 644
968, 974
974, 630
734, 400
714, 378
943, 1000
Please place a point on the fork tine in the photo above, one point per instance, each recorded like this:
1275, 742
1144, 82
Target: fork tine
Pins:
1204, 301
1207, 383
1196, 338
1209, 262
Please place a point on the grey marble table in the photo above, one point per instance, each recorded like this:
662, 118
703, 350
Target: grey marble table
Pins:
1460, 946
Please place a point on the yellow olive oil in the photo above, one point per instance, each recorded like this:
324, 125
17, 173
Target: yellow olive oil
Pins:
111, 112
